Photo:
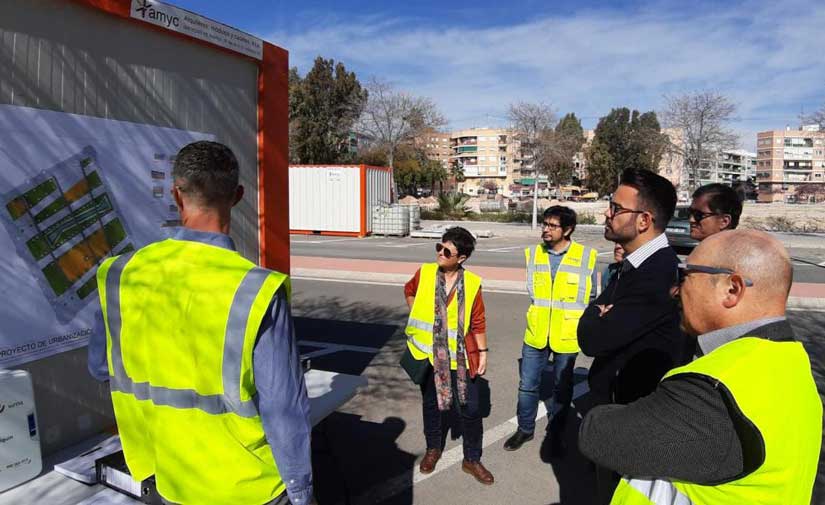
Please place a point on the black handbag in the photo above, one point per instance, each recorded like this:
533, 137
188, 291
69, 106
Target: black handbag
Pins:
417, 369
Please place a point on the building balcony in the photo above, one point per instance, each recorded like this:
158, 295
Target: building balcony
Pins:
466, 149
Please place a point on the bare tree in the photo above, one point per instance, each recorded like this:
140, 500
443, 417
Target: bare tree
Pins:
393, 117
702, 117
533, 125
817, 118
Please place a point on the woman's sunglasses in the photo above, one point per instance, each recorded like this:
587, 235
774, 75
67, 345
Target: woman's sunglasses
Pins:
439, 248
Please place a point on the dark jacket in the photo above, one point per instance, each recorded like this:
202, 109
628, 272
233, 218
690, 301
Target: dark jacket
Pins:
639, 339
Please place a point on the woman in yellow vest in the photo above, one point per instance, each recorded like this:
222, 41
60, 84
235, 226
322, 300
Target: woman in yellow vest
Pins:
447, 328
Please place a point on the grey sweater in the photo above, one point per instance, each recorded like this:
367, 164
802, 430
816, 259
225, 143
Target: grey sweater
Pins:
688, 429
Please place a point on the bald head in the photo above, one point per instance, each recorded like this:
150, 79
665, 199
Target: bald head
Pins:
753, 254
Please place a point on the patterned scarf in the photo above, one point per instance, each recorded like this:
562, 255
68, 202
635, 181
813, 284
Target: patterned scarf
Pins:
441, 349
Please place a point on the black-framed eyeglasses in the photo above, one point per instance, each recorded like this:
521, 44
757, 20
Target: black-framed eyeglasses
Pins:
685, 269
440, 248
615, 209
552, 226
698, 215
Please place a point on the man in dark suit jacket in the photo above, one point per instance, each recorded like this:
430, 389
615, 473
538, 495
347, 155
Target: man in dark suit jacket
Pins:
632, 328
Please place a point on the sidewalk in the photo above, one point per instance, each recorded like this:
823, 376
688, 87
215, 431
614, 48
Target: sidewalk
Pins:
803, 295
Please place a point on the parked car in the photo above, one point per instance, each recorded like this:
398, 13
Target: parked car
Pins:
678, 232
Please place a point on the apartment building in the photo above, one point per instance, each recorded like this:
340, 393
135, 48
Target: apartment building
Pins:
728, 167
437, 146
486, 157
789, 161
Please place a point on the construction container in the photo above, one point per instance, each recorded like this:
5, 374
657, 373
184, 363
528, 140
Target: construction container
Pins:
392, 220
336, 199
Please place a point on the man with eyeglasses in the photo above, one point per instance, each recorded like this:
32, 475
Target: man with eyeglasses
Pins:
561, 281
743, 422
632, 328
715, 207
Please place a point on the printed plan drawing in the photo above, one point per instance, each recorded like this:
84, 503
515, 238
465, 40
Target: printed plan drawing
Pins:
64, 222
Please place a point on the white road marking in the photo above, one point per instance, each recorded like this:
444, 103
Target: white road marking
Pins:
396, 246
380, 283
293, 241
452, 457
330, 348
501, 249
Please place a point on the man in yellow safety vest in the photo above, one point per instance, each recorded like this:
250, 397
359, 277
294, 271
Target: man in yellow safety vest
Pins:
561, 282
200, 353
740, 424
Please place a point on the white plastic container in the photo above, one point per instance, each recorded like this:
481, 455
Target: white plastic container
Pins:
20, 458
336, 199
415, 218
392, 220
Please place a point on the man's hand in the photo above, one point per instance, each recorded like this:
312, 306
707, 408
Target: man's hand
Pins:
482, 363
604, 309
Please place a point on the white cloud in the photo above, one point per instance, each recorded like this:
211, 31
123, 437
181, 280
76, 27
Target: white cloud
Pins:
765, 56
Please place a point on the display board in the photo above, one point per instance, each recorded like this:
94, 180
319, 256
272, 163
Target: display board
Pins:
74, 190
121, 91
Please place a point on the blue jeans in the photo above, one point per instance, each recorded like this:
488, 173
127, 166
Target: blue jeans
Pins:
533, 362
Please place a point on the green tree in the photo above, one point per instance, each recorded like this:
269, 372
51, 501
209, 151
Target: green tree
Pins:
602, 174
413, 170
631, 139
323, 109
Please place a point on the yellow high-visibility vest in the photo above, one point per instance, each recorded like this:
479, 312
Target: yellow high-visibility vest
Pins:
181, 322
422, 316
558, 303
771, 384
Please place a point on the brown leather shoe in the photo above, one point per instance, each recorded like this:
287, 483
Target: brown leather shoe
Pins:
477, 470
431, 457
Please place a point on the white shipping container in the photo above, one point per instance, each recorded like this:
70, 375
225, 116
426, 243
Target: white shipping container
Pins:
336, 199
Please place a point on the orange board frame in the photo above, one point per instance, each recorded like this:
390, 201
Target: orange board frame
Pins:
273, 136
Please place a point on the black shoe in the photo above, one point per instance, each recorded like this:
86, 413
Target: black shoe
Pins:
517, 440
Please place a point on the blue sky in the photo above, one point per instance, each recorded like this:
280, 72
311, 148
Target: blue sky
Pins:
475, 58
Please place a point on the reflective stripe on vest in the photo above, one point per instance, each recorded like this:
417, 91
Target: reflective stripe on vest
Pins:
554, 312
746, 370
648, 492
230, 401
420, 331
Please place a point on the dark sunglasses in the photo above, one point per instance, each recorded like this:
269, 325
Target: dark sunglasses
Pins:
439, 248
698, 215
684, 269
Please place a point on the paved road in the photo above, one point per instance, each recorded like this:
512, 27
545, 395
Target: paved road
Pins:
369, 450
499, 251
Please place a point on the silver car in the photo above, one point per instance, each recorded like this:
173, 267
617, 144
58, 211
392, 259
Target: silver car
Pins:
678, 232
